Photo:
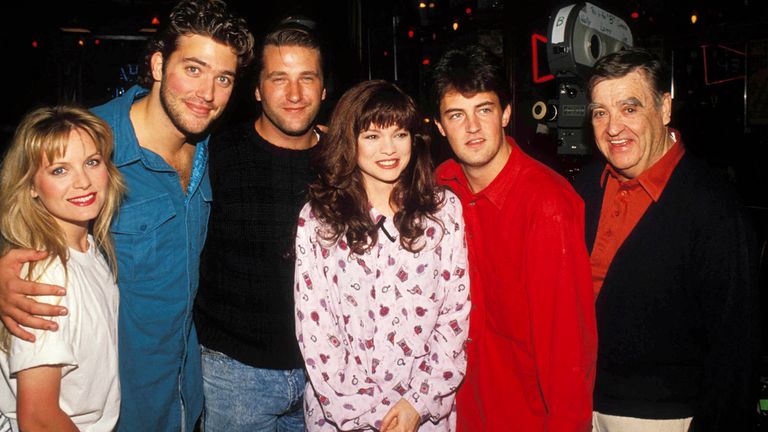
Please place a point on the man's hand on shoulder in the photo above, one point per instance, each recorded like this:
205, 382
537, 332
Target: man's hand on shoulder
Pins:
16, 306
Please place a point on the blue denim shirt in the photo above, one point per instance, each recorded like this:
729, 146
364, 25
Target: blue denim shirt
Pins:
159, 233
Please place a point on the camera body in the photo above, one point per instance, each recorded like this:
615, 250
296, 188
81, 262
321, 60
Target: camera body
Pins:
578, 35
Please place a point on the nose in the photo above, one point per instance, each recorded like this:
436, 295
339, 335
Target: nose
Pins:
293, 93
472, 123
615, 125
82, 179
387, 146
206, 89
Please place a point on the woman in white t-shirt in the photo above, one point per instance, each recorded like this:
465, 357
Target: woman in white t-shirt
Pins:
58, 192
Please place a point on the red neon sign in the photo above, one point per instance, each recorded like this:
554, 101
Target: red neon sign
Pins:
535, 38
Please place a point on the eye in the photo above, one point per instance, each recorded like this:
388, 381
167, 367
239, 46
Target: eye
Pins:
93, 162
370, 136
224, 80
630, 109
308, 79
484, 110
403, 135
597, 113
454, 116
58, 171
193, 70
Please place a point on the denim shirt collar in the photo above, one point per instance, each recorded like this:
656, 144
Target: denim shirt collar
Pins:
130, 151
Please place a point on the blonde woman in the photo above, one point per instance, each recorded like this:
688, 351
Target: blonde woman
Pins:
58, 193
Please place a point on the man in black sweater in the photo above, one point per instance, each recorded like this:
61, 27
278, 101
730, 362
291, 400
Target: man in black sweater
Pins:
673, 263
253, 373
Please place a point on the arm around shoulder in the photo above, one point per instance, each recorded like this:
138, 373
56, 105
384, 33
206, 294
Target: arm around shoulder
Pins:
16, 307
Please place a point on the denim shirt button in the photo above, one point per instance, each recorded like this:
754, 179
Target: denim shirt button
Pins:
143, 227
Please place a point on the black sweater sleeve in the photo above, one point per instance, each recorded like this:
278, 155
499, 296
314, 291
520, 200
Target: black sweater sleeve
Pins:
725, 251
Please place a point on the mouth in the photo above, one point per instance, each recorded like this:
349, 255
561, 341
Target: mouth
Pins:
83, 201
294, 110
475, 142
199, 109
619, 144
388, 163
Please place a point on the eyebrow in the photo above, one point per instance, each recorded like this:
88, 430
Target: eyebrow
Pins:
381, 130
284, 73
629, 101
59, 161
206, 65
480, 105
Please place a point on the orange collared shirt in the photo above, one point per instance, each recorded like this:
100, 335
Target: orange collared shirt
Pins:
624, 203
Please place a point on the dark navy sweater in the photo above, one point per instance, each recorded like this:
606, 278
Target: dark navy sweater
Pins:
676, 316
244, 307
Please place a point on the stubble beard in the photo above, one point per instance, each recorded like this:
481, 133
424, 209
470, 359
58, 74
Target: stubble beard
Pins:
285, 129
174, 113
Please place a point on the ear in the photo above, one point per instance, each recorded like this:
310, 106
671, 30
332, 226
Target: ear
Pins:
666, 108
439, 127
156, 65
258, 93
323, 97
33, 192
505, 115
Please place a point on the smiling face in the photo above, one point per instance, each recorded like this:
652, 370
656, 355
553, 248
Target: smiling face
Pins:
630, 124
73, 186
382, 155
290, 90
195, 82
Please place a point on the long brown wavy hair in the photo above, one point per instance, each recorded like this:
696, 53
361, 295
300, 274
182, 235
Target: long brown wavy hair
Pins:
338, 195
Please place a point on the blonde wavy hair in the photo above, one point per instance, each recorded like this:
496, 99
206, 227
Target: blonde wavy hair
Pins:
24, 221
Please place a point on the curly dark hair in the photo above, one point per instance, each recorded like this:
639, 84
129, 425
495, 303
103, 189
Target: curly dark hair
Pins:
338, 196
469, 70
210, 18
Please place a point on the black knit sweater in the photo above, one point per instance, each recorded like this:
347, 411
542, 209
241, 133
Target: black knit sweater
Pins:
676, 316
244, 307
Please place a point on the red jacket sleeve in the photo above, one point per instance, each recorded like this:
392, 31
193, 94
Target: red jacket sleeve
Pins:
561, 303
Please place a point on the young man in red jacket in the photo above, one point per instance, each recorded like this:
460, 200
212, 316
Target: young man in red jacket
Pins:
533, 341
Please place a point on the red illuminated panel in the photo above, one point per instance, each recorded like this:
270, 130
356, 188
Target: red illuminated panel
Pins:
728, 61
535, 39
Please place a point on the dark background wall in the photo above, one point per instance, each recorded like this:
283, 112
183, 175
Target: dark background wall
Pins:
720, 63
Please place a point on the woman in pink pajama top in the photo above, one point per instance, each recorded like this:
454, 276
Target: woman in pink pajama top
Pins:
382, 288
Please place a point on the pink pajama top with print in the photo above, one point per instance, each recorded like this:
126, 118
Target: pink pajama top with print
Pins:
385, 325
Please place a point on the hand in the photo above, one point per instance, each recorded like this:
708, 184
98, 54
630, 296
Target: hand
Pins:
402, 417
16, 308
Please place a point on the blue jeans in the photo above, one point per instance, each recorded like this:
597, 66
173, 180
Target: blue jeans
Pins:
239, 397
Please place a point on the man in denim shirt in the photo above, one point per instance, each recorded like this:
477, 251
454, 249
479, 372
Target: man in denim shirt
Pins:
161, 150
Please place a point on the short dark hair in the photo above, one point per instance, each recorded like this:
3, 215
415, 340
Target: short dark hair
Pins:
292, 31
211, 18
623, 62
469, 70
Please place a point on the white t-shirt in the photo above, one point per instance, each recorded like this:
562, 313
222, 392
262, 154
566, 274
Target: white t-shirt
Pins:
85, 344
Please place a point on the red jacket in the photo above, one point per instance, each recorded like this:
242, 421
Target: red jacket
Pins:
533, 339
